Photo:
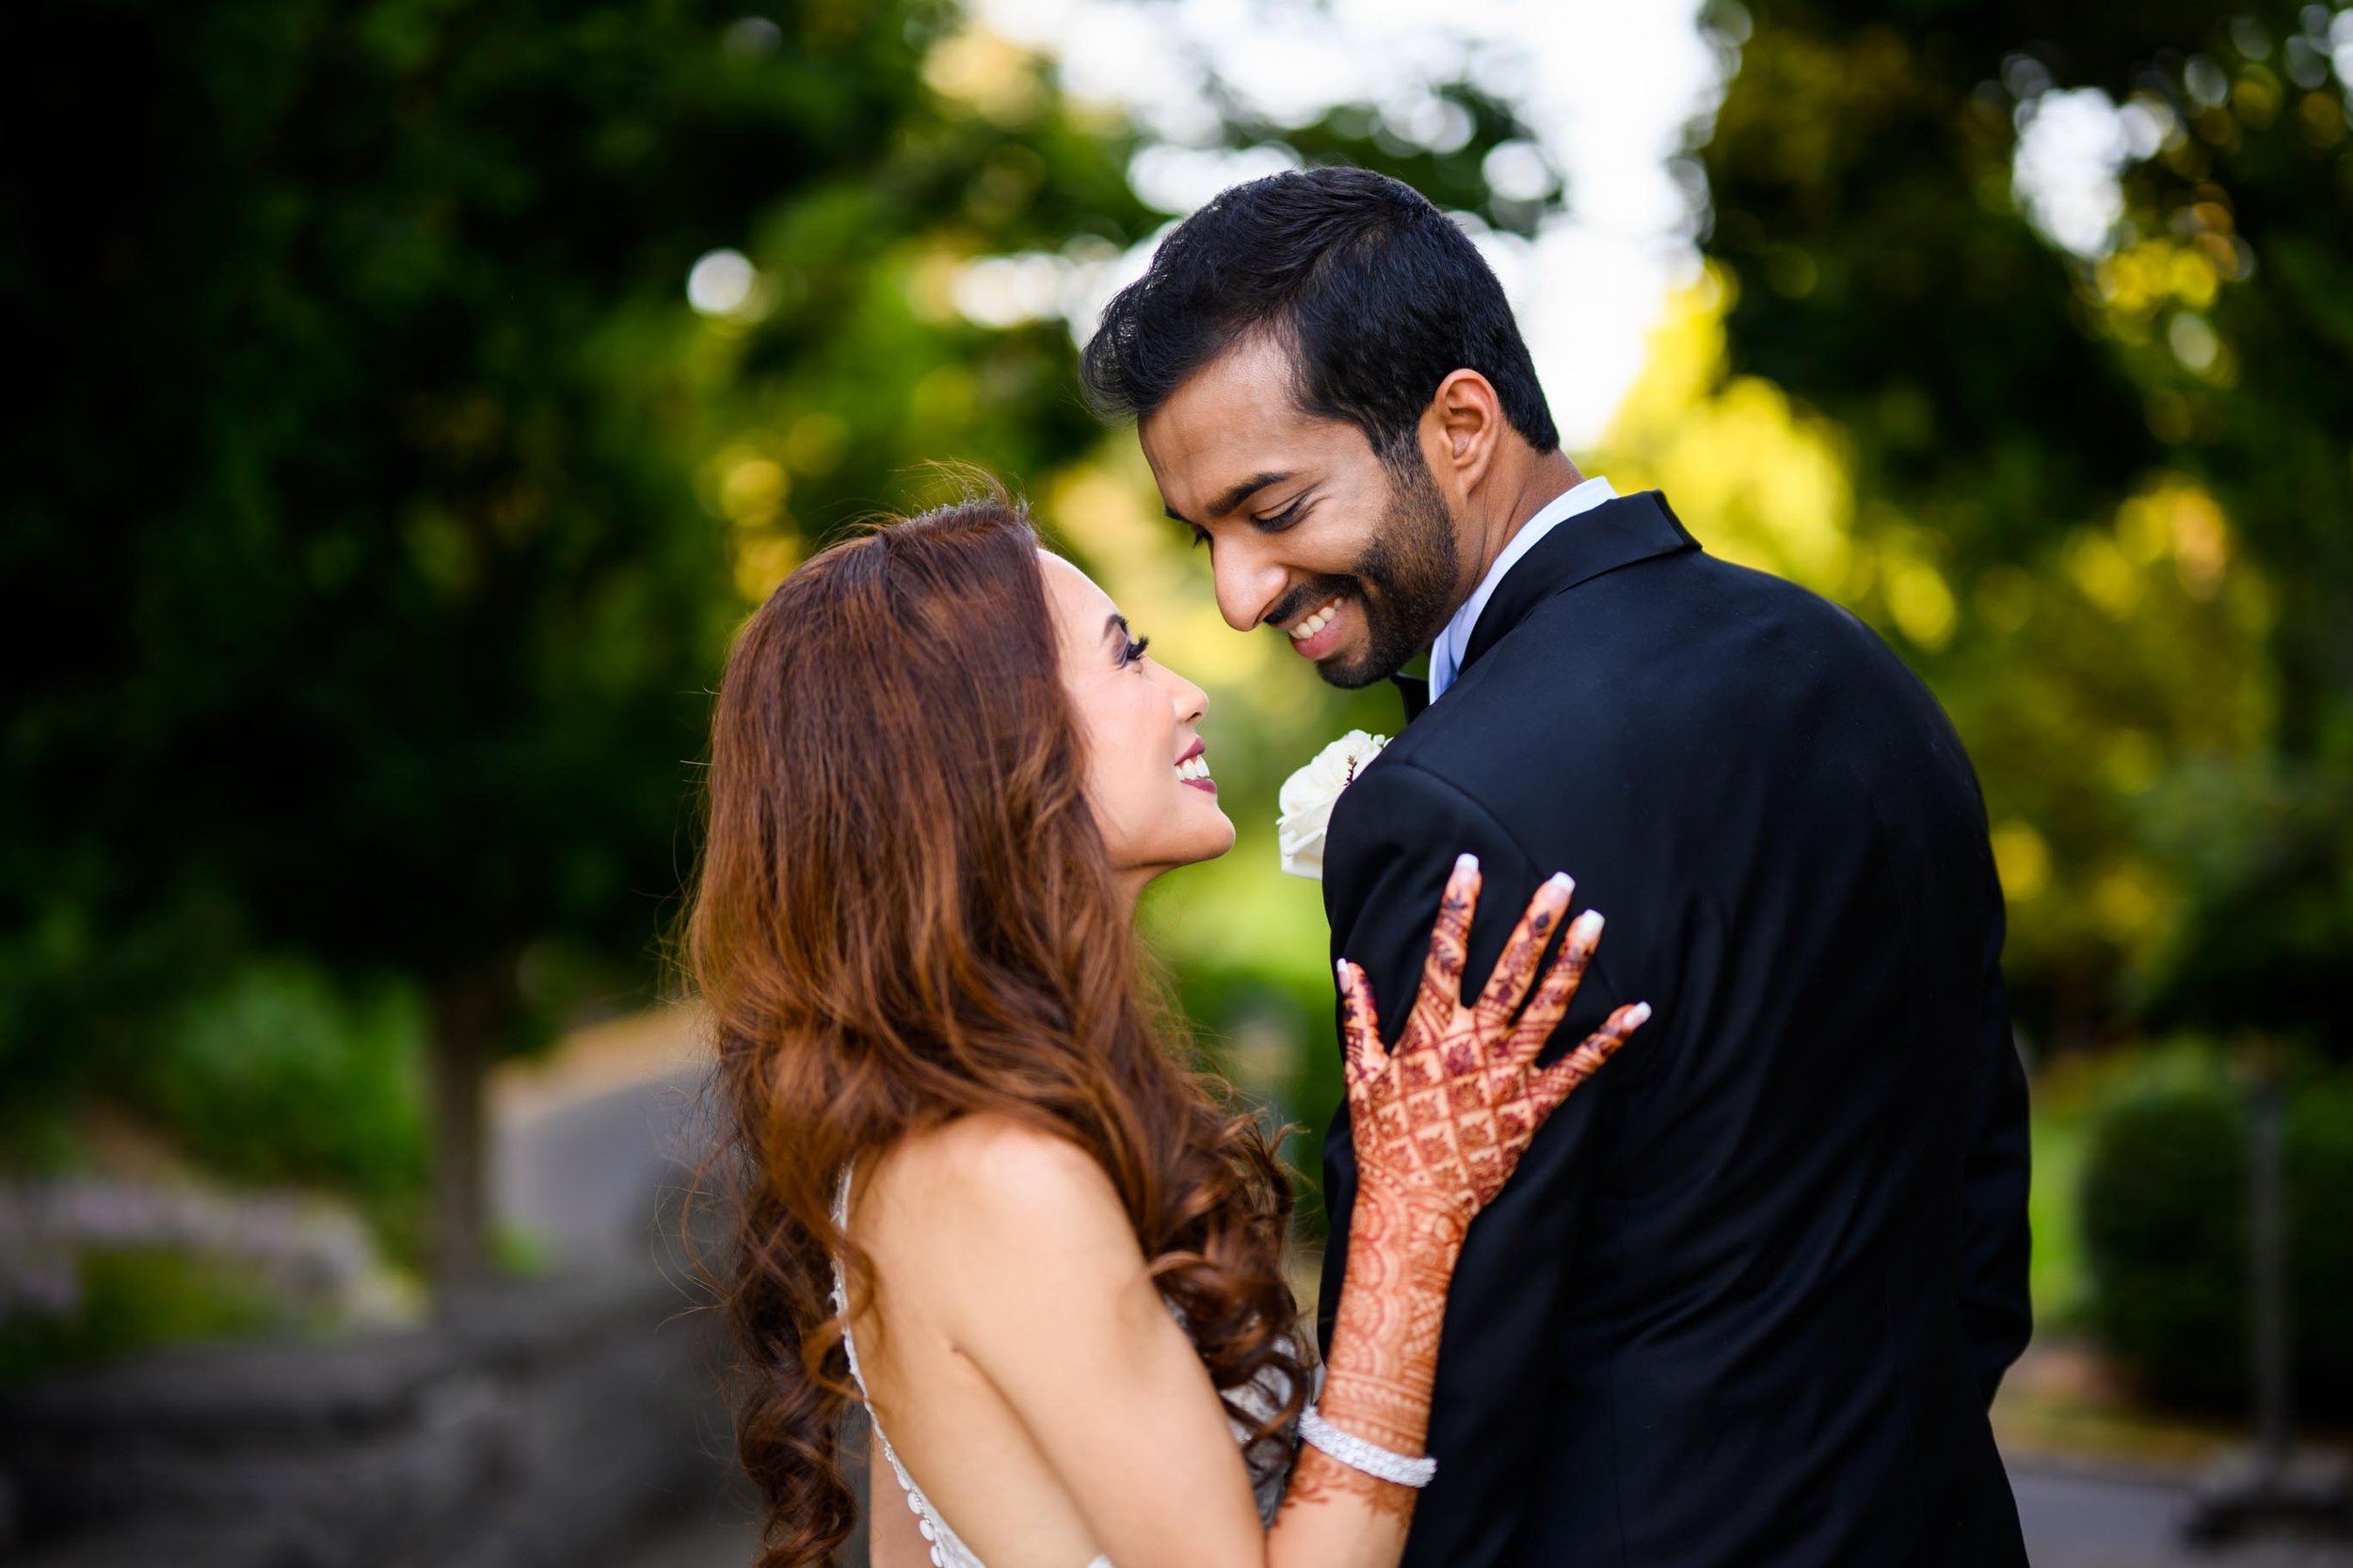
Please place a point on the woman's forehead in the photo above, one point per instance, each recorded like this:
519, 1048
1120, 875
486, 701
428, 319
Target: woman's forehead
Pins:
1072, 590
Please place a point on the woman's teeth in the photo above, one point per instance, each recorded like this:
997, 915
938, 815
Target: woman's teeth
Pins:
1193, 767
1315, 623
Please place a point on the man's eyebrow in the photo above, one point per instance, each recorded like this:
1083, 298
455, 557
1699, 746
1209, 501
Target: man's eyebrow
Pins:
1234, 497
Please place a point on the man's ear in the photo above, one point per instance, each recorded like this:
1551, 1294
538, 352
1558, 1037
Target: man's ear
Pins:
1460, 428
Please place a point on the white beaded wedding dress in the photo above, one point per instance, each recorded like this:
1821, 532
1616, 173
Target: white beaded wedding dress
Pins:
1270, 1463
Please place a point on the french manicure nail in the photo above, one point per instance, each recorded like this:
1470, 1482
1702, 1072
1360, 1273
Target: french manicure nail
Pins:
1561, 880
1589, 925
1639, 1017
1465, 862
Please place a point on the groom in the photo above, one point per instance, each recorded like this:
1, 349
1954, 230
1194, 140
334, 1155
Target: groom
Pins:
1745, 1302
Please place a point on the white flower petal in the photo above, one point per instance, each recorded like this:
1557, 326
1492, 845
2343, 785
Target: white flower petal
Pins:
1308, 795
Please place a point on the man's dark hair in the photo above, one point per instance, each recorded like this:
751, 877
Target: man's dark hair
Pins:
1379, 294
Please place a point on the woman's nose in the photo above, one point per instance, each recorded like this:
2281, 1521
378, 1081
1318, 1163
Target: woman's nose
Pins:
1190, 701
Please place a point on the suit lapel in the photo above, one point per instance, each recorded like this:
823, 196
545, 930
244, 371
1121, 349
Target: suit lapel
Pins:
1615, 534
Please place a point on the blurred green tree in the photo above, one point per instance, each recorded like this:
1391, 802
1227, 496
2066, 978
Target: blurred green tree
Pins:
2058, 428
357, 602
419, 394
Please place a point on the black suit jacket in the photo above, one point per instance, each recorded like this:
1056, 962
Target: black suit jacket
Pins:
1747, 1297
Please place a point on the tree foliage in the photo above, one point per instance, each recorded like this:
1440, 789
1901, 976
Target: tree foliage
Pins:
361, 599
386, 503
2126, 466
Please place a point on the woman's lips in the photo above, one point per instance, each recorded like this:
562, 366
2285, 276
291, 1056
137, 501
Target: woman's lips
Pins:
1194, 769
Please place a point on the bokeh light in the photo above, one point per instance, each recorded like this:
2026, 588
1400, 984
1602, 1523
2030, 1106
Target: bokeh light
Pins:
723, 283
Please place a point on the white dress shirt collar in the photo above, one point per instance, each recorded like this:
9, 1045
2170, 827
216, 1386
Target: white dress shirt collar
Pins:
1446, 654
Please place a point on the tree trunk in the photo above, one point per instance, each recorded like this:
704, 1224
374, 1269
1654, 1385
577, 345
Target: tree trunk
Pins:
472, 1009
2270, 1345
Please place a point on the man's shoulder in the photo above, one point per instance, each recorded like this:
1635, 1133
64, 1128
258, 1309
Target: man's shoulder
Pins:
1679, 640
1626, 616
1603, 690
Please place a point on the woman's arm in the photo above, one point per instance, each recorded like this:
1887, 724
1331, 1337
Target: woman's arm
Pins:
1055, 1305
1439, 1121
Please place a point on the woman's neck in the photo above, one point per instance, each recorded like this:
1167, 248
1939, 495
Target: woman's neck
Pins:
1131, 884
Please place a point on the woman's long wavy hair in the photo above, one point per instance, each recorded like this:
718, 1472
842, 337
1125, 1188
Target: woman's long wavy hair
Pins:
905, 915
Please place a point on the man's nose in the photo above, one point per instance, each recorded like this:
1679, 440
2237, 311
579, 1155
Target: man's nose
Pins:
1249, 581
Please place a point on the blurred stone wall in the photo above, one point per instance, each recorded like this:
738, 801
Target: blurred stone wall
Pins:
545, 1422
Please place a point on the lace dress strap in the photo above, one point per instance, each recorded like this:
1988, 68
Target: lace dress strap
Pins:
948, 1549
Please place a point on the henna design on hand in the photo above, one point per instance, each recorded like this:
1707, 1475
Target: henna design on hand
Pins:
1440, 1123
1443, 1117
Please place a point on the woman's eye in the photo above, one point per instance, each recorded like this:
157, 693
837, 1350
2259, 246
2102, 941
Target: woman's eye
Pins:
1200, 535
1134, 651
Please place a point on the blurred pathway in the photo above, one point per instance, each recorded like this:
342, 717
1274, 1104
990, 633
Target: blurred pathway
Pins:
2078, 1519
592, 1140
710, 1542
593, 1144
2071, 1519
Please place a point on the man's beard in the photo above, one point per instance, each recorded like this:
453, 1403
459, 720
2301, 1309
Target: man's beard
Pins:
1404, 580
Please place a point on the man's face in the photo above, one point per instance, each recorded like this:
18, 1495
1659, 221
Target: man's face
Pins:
1308, 531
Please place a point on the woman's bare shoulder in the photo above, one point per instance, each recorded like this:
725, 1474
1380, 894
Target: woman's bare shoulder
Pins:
981, 1179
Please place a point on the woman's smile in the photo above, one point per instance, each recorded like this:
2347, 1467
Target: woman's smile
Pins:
1193, 768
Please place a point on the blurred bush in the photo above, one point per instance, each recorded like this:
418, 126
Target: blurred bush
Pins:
94, 1267
303, 1092
131, 1299
280, 1077
2165, 1232
2057, 1282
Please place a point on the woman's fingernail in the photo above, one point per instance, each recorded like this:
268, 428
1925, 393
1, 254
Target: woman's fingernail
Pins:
1563, 881
1340, 969
1589, 925
1465, 863
1639, 1016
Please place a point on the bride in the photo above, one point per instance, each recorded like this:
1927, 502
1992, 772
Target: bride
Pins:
976, 1190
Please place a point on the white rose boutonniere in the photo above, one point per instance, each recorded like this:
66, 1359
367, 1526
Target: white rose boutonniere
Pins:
1309, 795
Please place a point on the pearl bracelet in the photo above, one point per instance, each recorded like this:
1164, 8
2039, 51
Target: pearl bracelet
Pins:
1357, 1455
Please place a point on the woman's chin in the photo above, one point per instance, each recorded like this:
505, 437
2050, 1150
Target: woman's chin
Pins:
1207, 844
1203, 841
1218, 845
1217, 838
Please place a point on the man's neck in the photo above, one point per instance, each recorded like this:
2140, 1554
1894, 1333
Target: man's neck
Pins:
1527, 487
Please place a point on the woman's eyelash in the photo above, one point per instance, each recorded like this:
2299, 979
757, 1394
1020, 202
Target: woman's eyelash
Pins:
1134, 650
1200, 536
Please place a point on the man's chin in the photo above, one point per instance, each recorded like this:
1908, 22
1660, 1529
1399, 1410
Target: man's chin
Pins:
1353, 672
1377, 653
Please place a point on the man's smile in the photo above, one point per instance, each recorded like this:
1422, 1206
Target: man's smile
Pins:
1319, 631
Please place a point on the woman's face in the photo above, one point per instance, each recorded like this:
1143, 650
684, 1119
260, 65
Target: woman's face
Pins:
1147, 778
